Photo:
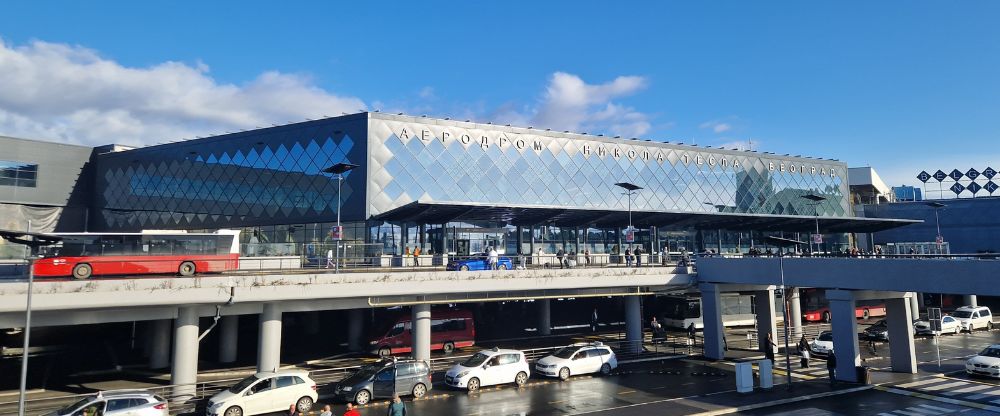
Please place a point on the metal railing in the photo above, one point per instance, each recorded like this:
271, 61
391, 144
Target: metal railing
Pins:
827, 255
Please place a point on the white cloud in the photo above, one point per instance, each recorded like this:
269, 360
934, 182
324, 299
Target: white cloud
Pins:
716, 126
71, 94
749, 144
426, 93
571, 104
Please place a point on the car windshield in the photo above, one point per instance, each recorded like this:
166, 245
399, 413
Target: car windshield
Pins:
826, 336
364, 373
243, 384
963, 314
565, 352
991, 352
69, 409
476, 360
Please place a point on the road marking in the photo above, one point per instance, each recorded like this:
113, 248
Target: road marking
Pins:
944, 386
557, 401
968, 389
920, 383
939, 398
995, 393
627, 392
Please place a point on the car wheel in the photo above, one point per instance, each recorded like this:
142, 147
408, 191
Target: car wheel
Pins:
971, 327
866, 314
826, 317
82, 271
384, 352
502, 267
187, 269
606, 369
449, 347
362, 397
989, 326
521, 378
304, 404
473, 384
234, 411
464, 268
958, 330
419, 390
564, 373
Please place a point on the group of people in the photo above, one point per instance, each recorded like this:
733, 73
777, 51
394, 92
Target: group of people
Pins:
396, 408
805, 354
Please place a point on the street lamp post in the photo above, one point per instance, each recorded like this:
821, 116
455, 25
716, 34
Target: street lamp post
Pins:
630, 189
339, 169
784, 242
937, 221
816, 200
33, 241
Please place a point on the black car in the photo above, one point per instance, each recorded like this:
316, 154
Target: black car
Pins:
383, 379
879, 331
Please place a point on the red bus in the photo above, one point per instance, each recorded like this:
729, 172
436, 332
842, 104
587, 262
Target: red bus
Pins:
82, 255
450, 329
815, 307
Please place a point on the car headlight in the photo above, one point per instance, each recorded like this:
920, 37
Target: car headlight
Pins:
373, 343
462, 374
995, 366
347, 388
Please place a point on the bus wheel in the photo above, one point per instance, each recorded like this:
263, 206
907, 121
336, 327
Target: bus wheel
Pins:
186, 269
384, 352
449, 347
866, 314
82, 271
502, 267
826, 317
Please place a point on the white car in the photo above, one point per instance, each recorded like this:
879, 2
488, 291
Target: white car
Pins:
974, 317
265, 393
117, 403
489, 367
987, 363
823, 344
582, 358
949, 325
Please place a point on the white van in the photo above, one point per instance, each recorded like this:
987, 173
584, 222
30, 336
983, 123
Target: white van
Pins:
974, 317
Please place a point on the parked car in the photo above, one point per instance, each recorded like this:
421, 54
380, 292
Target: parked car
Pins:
986, 363
974, 317
878, 331
479, 261
450, 329
117, 403
949, 325
581, 358
823, 344
489, 367
384, 379
265, 393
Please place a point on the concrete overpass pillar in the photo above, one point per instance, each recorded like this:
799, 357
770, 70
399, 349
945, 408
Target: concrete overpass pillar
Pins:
355, 329
633, 324
902, 354
845, 333
711, 315
766, 324
228, 338
184, 374
970, 300
269, 341
544, 316
913, 304
795, 313
421, 327
159, 354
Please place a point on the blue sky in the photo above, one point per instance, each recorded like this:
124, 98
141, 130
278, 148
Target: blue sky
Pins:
902, 86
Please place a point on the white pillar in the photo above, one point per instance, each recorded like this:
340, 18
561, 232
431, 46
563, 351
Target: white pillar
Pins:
914, 305
633, 324
766, 324
544, 316
184, 374
159, 354
970, 300
845, 333
795, 313
902, 354
228, 338
421, 325
269, 343
711, 315
355, 329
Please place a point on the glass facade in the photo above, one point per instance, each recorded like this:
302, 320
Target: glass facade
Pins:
20, 174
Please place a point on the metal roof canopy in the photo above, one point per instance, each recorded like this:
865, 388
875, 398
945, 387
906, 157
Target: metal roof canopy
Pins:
443, 212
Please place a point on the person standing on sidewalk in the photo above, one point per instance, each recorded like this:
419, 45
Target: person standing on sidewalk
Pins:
559, 257
593, 321
397, 407
804, 351
831, 367
769, 348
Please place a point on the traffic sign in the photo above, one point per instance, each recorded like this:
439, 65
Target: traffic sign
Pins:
630, 236
939, 240
940, 175
989, 173
957, 188
956, 174
924, 176
817, 238
972, 173
934, 317
974, 187
990, 187
337, 232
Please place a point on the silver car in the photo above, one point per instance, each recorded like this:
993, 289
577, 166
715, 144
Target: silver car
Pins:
116, 403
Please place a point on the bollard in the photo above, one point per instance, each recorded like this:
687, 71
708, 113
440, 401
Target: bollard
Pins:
766, 375
744, 377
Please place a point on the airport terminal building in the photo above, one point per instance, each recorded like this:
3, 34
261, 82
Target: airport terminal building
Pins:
442, 185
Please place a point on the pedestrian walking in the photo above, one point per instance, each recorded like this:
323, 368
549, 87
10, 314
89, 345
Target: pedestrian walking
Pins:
593, 321
804, 352
638, 256
586, 256
559, 257
872, 346
692, 332
329, 258
494, 258
416, 256
540, 257
769, 348
657, 329
628, 257
397, 407
351, 411
326, 411
831, 367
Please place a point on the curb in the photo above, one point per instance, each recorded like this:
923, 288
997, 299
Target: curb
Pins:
782, 401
